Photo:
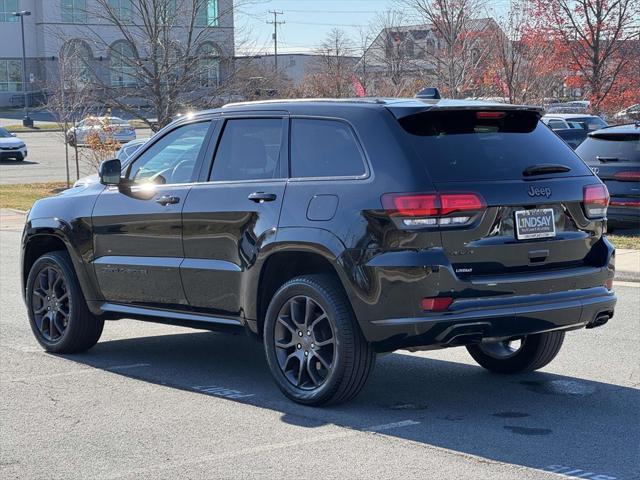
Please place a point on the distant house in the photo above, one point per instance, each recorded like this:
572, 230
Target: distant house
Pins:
410, 50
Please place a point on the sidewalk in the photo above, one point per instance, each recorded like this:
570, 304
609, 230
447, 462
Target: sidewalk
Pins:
627, 261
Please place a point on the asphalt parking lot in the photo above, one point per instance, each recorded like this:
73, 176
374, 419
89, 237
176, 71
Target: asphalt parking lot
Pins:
152, 401
46, 160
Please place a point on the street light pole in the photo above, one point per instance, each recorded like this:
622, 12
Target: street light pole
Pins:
26, 121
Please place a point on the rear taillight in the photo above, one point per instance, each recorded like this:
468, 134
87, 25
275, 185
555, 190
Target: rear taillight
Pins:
596, 201
433, 209
628, 176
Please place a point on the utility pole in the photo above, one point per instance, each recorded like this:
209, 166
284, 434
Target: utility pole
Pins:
275, 24
26, 121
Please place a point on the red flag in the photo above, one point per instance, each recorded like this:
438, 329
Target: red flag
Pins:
360, 91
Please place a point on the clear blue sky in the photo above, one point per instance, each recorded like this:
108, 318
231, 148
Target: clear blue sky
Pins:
307, 21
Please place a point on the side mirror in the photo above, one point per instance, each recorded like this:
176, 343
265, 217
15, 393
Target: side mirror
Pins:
110, 172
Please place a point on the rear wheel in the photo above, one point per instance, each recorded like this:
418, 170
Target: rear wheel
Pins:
58, 313
525, 354
314, 346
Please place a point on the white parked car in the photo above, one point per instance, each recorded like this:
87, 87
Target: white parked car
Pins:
628, 115
11, 146
560, 121
125, 155
107, 128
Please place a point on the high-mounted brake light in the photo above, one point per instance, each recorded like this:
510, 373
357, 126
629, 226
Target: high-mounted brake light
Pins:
596, 200
431, 209
628, 176
490, 115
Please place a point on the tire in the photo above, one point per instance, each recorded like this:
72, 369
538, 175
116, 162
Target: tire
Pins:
71, 140
338, 367
535, 352
74, 329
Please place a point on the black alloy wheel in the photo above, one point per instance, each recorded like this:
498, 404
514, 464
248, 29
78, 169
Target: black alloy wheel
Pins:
50, 303
305, 342
58, 313
314, 346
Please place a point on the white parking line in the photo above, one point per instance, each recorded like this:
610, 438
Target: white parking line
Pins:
571, 472
223, 392
389, 426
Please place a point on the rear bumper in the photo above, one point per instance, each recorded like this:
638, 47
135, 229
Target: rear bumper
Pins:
391, 286
475, 320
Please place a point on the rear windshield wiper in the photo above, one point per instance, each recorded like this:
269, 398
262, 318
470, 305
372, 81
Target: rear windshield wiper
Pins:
545, 168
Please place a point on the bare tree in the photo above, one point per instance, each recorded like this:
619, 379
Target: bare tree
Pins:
167, 56
336, 63
598, 36
522, 56
461, 33
70, 101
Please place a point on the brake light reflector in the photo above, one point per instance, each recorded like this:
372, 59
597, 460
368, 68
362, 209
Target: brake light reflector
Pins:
596, 200
438, 304
628, 176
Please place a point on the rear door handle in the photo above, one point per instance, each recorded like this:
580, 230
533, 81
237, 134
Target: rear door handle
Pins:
261, 197
167, 200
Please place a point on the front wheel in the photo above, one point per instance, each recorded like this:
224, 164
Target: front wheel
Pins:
521, 355
315, 349
58, 313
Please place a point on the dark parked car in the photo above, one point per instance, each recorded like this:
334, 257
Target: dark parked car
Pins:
573, 136
614, 155
333, 230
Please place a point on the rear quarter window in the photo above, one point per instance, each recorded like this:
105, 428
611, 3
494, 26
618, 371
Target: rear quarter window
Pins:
324, 148
458, 146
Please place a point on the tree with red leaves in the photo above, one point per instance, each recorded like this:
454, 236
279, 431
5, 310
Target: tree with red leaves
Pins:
601, 38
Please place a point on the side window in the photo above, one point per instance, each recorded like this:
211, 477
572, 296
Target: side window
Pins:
172, 158
248, 150
324, 148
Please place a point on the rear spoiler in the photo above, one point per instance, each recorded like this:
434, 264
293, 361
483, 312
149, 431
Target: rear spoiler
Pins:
408, 108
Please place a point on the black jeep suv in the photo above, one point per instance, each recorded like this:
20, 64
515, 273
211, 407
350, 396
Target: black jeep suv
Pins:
333, 230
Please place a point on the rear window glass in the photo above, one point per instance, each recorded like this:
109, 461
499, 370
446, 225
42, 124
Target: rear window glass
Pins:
324, 148
458, 146
610, 147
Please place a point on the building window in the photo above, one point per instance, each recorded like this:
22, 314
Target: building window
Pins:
75, 65
7, 9
74, 11
122, 9
207, 13
10, 75
209, 65
123, 68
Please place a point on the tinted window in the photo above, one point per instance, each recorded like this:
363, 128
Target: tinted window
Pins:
590, 123
556, 124
249, 150
324, 148
459, 146
172, 158
619, 149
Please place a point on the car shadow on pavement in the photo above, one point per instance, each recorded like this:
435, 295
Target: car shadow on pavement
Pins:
17, 162
539, 420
